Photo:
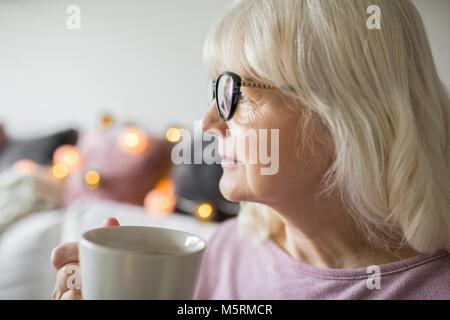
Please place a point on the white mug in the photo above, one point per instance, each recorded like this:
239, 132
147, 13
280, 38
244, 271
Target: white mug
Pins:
128, 262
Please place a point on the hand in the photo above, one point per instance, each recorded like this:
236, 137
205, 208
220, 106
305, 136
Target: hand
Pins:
65, 259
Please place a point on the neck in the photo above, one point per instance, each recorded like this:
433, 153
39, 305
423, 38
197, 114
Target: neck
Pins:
324, 235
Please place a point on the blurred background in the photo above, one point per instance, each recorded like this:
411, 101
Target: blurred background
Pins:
138, 59
89, 116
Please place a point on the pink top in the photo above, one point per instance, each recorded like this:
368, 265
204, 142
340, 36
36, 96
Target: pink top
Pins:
237, 269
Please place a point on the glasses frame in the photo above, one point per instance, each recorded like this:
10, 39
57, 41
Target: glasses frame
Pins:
238, 82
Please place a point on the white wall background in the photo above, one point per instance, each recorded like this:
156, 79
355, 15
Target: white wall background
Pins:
140, 60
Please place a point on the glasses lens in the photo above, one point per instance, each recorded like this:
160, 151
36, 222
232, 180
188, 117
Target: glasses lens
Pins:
225, 95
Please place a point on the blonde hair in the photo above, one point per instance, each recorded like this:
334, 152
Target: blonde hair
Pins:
378, 94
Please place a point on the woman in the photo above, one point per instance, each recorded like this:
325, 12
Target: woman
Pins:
359, 207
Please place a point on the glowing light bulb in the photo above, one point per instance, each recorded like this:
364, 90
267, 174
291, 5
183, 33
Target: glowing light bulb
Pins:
134, 141
173, 135
106, 121
67, 155
71, 157
25, 167
131, 140
59, 171
159, 203
92, 179
204, 211
165, 185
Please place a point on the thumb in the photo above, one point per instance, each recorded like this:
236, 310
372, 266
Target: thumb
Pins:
110, 222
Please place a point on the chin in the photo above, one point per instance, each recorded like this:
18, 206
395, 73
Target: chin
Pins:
230, 190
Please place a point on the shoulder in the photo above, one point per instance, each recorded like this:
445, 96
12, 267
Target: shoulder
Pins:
227, 231
223, 243
426, 276
433, 277
221, 256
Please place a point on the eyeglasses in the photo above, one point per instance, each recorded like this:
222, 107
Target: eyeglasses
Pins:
227, 91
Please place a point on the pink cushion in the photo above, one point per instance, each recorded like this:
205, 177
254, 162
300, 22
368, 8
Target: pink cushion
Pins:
123, 177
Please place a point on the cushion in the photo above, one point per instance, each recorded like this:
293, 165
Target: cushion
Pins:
40, 149
124, 176
25, 194
25, 268
198, 183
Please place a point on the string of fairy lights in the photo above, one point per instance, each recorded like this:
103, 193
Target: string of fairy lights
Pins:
161, 201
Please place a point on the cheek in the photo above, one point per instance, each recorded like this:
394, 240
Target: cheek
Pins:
298, 171
281, 176
266, 153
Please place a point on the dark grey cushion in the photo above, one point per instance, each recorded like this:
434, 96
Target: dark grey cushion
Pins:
38, 149
197, 182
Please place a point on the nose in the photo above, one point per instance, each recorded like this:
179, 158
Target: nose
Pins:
212, 124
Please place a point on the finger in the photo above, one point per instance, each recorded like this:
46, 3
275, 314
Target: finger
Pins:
67, 278
71, 295
68, 252
65, 253
110, 222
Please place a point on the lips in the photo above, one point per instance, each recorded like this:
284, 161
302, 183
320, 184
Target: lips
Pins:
229, 162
